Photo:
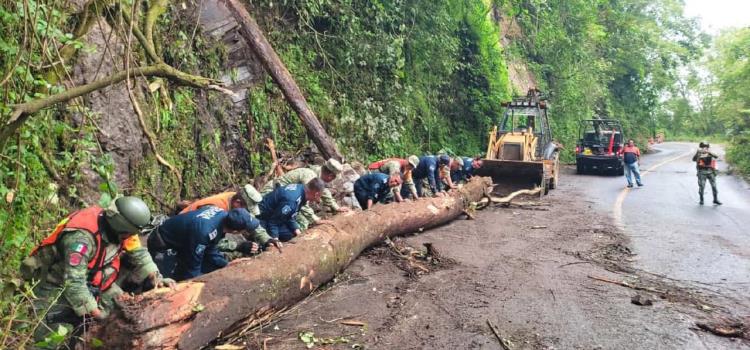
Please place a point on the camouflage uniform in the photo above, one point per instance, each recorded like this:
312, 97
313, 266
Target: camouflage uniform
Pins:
63, 271
303, 176
706, 173
393, 167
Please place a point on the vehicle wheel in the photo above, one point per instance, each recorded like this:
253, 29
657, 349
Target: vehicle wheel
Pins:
555, 180
621, 171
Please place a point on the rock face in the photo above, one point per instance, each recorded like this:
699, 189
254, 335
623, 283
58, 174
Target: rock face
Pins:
118, 128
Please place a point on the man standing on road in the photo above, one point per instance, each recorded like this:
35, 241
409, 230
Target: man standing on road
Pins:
631, 156
706, 166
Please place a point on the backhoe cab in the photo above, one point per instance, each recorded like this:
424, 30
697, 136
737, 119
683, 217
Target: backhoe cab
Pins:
521, 148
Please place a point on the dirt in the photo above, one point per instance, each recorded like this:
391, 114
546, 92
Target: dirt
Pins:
533, 283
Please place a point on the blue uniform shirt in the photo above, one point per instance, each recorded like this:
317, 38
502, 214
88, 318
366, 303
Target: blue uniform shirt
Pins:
372, 186
278, 209
465, 172
194, 236
428, 168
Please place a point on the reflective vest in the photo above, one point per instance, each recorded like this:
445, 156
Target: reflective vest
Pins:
376, 165
706, 162
88, 220
222, 200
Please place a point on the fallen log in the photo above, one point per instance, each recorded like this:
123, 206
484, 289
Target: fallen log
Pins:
254, 37
200, 310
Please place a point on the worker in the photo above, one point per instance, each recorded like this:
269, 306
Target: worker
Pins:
374, 187
705, 162
402, 167
328, 172
429, 170
193, 237
245, 197
80, 267
465, 169
279, 209
631, 157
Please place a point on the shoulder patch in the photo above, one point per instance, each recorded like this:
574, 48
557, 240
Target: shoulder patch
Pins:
79, 247
432, 168
286, 210
131, 243
213, 234
199, 249
74, 259
291, 187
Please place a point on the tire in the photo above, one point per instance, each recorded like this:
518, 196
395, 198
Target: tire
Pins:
621, 171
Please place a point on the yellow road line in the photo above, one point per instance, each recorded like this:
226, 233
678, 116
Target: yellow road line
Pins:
617, 209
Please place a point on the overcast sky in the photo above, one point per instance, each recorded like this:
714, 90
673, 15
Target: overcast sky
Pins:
719, 14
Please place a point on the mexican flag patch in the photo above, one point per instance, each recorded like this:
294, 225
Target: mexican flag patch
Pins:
79, 248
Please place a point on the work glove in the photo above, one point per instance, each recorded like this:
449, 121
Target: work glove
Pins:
156, 280
248, 248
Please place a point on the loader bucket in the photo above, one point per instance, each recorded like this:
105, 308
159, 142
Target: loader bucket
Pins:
514, 171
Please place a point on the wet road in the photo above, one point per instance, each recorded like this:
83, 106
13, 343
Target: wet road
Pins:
670, 233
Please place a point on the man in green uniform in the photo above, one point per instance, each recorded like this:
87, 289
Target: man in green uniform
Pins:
81, 266
327, 173
706, 165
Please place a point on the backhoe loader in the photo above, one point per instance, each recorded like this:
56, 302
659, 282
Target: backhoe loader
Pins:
520, 148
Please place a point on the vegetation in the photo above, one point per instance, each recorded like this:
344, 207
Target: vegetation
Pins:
386, 77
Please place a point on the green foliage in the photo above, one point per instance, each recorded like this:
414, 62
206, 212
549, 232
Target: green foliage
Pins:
605, 57
392, 77
731, 68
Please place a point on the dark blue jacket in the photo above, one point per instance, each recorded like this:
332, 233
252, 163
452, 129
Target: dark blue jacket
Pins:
194, 236
465, 172
372, 186
279, 208
428, 168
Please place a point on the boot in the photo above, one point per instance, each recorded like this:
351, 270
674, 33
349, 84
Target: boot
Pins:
701, 201
716, 201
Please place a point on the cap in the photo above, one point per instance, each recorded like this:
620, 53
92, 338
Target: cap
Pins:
413, 160
240, 219
444, 159
459, 160
250, 194
333, 166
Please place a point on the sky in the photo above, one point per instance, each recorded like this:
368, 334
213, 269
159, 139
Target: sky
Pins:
719, 14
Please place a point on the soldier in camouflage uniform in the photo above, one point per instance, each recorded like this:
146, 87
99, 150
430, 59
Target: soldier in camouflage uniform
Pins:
401, 167
706, 166
327, 173
82, 265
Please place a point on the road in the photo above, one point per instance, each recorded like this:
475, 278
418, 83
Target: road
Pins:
670, 233
539, 273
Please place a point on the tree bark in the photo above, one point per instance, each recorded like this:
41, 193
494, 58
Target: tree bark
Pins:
254, 37
198, 311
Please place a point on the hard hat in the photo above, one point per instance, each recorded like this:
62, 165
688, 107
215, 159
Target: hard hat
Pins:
239, 219
128, 215
414, 161
333, 166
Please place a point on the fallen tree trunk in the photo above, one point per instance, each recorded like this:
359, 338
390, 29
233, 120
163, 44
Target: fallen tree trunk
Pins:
254, 37
199, 311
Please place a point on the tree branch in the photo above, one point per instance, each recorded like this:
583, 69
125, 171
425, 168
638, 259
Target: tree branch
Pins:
21, 112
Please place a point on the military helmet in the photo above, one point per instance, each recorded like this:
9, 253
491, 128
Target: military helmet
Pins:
703, 144
128, 214
333, 166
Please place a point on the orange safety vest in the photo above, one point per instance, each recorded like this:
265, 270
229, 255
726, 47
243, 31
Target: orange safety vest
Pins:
380, 163
88, 220
704, 163
222, 200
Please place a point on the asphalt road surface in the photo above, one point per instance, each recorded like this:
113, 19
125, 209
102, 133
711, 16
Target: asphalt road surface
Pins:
670, 232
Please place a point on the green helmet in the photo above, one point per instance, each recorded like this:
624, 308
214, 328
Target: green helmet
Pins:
128, 215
